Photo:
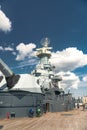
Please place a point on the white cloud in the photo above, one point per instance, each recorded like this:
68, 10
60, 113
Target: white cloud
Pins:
68, 59
1, 48
85, 79
69, 80
25, 50
5, 23
26, 63
8, 49
14, 53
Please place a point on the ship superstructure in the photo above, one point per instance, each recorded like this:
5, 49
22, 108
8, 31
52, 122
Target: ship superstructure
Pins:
44, 70
20, 93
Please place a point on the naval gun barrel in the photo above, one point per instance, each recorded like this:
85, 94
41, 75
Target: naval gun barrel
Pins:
10, 77
5, 69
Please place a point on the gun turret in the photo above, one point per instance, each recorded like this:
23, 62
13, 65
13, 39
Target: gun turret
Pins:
10, 77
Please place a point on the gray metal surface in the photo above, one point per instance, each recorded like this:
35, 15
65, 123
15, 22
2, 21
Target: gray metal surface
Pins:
19, 103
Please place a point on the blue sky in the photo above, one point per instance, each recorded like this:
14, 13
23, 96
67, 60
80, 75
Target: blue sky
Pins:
23, 23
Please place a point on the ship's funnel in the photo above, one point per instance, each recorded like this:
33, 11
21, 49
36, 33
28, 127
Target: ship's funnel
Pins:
5, 69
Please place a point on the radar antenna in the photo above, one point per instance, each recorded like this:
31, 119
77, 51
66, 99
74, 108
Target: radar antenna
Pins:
45, 42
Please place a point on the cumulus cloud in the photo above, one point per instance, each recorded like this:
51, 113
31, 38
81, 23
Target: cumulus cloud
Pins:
25, 50
5, 23
6, 48
85, 79
69, 80
68, 59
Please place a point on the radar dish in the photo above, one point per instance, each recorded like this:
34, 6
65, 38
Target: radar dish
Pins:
45, 42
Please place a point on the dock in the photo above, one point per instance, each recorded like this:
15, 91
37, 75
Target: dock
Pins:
71, 120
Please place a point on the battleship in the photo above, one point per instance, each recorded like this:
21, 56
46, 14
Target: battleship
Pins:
21, 92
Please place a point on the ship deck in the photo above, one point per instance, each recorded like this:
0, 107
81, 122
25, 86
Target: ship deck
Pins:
71, 120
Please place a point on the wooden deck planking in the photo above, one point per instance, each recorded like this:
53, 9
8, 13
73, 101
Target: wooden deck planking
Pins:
72, 120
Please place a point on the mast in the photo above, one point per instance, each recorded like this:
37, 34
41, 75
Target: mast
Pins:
44, 53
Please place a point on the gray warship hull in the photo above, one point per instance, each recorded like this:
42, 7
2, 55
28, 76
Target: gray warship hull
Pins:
17, 103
